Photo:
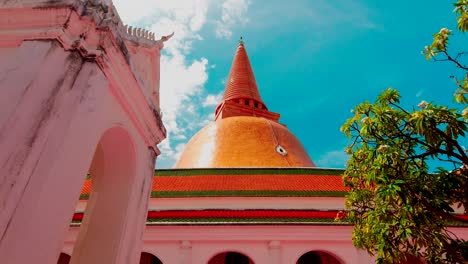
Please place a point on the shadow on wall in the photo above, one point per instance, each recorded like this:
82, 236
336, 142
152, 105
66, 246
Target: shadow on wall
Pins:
230, 258
317, 257
64, 259
146, 258
412, 260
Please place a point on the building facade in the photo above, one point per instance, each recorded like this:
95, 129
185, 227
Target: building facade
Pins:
82, 98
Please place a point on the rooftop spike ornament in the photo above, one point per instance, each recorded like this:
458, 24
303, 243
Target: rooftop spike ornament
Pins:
241, 95
241, 82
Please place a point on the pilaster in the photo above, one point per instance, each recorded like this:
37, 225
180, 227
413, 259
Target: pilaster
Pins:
274, 251
185, 252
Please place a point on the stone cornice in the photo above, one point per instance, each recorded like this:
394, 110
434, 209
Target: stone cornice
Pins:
94, 29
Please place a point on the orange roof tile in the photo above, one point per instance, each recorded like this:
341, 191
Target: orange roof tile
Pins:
250, 183
86, 187
191, 181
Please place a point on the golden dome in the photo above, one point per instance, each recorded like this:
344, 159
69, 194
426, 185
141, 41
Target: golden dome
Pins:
244, 141
245, 133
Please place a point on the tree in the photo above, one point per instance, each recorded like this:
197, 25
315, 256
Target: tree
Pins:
398, 207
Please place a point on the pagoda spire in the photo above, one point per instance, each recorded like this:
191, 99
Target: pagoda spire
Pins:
241, 96
241, 81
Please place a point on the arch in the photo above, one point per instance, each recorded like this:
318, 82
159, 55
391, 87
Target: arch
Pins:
112, 170
230, 257
63, 258
148, 258
318, 257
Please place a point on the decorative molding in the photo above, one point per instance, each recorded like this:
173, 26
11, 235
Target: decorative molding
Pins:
250, 232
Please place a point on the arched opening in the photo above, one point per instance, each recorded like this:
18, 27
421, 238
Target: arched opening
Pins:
63, 259
147, 258
111, 173
318, 257
230, 258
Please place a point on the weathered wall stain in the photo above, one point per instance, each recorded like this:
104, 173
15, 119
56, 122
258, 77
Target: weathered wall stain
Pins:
15, 162
75, 63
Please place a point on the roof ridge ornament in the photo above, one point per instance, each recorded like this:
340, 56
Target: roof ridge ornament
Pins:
241, 41
139, 33
166, 38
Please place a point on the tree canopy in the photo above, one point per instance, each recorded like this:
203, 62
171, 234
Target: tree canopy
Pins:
398, 206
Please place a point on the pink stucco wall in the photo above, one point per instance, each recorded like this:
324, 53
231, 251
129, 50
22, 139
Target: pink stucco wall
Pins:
280, 244
264, 244
71, 98
276, 244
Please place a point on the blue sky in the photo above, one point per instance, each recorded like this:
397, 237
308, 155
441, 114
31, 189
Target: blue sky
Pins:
313, 61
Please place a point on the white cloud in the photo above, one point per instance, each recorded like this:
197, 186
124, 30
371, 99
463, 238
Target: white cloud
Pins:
179, 149
212, 99
192, 12
181, 80
233, 12
175, 90
333, 159
182, 93
321, 18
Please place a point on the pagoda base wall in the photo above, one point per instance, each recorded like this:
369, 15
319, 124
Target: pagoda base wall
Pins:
263, 244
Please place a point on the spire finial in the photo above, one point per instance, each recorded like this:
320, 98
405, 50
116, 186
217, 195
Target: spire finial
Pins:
241, 41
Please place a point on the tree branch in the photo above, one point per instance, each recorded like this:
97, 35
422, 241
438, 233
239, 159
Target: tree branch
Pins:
459, 65
444, 215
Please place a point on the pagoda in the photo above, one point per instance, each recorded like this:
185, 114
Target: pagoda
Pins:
244, 133
244, 191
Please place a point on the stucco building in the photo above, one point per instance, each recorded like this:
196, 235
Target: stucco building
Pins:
244, 191
79, 94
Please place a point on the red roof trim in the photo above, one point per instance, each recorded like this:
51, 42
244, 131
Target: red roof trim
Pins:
247, 214
235, 214
242, 214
